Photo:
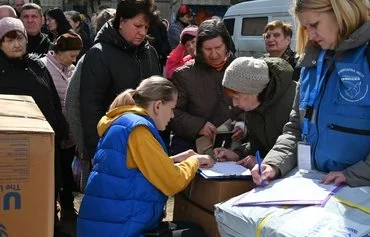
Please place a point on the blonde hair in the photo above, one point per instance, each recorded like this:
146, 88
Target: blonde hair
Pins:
349, 14
151, 89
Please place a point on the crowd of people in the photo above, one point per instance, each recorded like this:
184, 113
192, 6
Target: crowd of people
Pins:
130, 94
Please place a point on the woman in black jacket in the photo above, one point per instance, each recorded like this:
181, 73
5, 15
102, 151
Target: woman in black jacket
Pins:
120, 59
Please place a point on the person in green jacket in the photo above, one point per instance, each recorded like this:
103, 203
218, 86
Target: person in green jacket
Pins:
266, 95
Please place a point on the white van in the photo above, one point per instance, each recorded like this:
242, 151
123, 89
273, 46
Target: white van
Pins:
246, 21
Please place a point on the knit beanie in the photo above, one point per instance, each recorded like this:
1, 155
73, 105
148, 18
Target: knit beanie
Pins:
189, 30
8, 24
247, 75
68, 41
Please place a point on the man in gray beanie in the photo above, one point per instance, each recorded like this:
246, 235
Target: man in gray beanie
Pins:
267, 101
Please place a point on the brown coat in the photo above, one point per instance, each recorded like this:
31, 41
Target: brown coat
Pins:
201, 99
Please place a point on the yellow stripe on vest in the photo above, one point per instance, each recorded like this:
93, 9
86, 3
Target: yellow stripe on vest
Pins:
352, 204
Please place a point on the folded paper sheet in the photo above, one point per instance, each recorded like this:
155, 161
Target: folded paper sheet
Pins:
289, 191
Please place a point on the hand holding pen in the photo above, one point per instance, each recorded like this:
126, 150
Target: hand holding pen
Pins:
262, 173
259, 163
223, 154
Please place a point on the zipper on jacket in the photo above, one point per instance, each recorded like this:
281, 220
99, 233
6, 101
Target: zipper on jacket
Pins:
331, 68
317, 120
339, 128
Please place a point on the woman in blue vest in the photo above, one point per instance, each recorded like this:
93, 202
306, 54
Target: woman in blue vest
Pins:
132, 175
330, 120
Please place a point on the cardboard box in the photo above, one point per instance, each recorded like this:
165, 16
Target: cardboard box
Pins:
207, 193
185, 210
26, 169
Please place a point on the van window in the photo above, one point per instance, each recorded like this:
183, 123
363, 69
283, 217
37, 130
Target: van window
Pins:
229, 23
253, 26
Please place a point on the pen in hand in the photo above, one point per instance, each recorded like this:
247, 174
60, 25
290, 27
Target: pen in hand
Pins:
258, 158
222, 145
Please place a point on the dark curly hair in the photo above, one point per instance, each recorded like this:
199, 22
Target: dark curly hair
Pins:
127, 9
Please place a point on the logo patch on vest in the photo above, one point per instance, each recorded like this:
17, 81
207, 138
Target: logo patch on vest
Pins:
353, 86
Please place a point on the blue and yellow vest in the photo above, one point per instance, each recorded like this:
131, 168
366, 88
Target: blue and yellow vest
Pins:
119, 201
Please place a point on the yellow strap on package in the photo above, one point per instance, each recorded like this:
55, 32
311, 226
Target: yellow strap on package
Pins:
352, 204
262, 224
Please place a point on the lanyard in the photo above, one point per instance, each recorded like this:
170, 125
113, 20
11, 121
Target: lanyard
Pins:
313, 94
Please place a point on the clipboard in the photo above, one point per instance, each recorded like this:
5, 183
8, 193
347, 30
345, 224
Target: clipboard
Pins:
226, 171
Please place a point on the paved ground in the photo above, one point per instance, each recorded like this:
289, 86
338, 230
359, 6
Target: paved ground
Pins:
70, 228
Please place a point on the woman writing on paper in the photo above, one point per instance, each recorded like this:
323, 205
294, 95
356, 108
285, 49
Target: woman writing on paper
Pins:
330, 119
132, 174
266, 99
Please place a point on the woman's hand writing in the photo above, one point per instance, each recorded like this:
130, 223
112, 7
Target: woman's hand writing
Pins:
268, 173
223, 154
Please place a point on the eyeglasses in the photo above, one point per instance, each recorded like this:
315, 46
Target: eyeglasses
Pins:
268, 36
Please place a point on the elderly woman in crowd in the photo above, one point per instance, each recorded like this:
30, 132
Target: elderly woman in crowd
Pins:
23, 74
266, 96
278, 36
202, 105
59, 61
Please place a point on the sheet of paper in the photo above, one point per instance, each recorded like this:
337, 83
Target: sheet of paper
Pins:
225, 169
294, 191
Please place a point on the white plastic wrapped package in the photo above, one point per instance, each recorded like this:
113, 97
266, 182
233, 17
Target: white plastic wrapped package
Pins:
346, 214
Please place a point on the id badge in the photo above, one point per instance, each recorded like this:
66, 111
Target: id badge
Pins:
304, 156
